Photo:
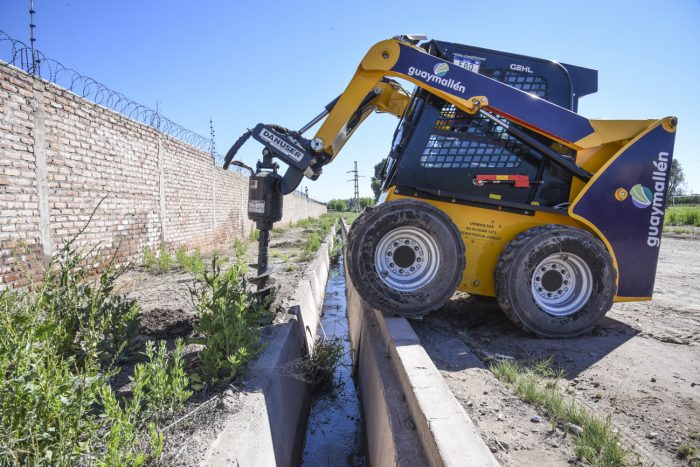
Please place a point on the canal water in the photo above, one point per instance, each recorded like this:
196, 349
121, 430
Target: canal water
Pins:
334, 432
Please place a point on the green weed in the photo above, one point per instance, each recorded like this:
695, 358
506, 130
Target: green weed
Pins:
162, 380
229, 321
157, 264
240, 247
336, 251
190, 263
306, 223
254, 235
313, 243
149, 259
687, 452
58, 345
326, 223
538, 385
165, 261
318, 368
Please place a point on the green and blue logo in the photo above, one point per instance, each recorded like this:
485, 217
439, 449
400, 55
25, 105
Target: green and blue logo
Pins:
641, 196
441, 69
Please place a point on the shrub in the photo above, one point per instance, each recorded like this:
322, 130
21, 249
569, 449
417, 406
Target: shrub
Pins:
683, 215
229, 321
149, 259
161, 381
165, 261
240, 247
181, 256
56, 348
58, 344
157, 264
190, 263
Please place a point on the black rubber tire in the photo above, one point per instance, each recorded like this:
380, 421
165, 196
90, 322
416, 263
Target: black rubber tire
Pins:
366, 233
513, 280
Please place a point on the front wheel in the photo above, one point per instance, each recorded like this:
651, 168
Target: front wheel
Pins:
555, 281
405, 257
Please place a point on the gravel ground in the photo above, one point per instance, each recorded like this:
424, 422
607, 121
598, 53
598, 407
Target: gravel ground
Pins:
641, 367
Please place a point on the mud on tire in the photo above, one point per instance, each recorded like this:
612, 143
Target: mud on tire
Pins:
405, 257
555, 281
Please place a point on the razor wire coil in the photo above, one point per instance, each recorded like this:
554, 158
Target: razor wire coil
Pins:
34, 62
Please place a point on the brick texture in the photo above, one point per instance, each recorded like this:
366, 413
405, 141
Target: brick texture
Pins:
94, 154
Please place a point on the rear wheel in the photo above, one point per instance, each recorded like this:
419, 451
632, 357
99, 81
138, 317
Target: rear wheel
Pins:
405, 257
555, 281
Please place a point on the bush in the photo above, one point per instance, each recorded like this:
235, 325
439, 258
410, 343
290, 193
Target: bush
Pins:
149, 259
683, 215
58, 345
240, 247
190, 263
161, 381
229, 321
157, 264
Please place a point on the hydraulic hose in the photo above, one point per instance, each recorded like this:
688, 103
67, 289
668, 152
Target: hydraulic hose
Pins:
234, 149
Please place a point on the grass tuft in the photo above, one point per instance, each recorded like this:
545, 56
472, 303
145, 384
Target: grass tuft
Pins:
538, 385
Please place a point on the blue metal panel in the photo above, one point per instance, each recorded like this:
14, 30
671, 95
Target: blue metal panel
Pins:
505, 100
626, 203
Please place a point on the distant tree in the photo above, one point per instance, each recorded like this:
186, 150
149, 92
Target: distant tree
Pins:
377, 179
338, 205
367, 202
676, 179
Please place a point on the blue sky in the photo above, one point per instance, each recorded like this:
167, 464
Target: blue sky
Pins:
244, 62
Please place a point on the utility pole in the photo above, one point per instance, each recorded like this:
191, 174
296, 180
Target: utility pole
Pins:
356, 179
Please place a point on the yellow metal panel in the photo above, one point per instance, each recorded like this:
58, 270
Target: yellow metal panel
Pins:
485, 233
607, 131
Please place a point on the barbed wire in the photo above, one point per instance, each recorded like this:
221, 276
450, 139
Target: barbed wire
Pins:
18, 54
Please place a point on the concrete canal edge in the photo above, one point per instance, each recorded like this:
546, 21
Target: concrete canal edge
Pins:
269, 423
411, 416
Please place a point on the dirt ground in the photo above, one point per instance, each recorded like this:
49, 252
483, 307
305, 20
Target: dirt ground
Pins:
168, 312
641, 367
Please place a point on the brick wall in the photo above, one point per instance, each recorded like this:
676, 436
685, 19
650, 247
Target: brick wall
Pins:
61, 154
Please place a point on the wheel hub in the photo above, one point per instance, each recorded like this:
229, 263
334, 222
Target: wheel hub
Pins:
561, 284
407, 258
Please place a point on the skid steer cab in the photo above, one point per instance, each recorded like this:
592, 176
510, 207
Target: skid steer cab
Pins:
493, 185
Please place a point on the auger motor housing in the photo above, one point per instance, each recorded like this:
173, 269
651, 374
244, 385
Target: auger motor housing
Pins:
265, 199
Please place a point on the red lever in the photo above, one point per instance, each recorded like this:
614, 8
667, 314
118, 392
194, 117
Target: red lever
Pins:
519, 181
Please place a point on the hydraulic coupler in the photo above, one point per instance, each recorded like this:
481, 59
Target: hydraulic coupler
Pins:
265, 208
